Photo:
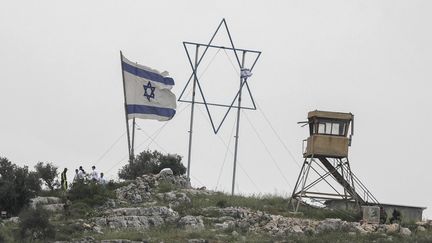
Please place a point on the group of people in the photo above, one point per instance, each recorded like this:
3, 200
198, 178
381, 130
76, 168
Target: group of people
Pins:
81, 177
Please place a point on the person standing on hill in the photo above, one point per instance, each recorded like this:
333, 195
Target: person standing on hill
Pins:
81, 174
102, 180
76, 177
63, 181
94, 175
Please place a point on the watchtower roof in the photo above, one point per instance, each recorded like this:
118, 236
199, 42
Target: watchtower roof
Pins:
330, 115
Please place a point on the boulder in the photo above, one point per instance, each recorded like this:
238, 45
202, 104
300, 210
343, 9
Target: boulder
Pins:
197, 241
370, 227
191, 223
296, 229
174, 199
222, 226
329, 225
87, 239
420, 228
14, 220
166, 172
43, 201
405, 231
138, 218
392, 228
58, 207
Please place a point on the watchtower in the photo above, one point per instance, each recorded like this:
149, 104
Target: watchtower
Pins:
325, 154
328, 134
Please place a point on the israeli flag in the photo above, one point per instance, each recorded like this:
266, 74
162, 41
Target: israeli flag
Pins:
148, 92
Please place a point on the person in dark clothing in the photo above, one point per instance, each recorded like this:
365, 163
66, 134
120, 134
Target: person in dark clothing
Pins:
63, 181
396, 217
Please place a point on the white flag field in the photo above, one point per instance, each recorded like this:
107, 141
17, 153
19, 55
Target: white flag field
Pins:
147, 92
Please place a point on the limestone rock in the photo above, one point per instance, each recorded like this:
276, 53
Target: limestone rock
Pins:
191, 223
297, 229
44, 201
144, 187
166, 172
330, 225
57, 207
405, 231
420, 228
197, 241
392, 228
174, 199
138, 218
14, 220
87, 239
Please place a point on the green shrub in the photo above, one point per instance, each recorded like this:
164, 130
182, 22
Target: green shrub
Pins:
34, 224
165, 186
222, 203
148, 162
92, 194
80, 209
53, 193
17, 186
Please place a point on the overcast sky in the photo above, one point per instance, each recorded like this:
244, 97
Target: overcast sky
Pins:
61, 97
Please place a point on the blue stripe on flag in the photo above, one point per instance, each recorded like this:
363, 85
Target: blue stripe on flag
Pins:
146, 74
145, 109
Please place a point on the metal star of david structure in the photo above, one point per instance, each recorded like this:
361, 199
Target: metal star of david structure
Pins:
148, 88
194, 65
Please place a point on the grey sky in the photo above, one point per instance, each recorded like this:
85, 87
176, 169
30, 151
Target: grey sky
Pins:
61, 97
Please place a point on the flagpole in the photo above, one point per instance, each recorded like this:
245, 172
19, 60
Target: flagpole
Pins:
238, 125
192, 111
132, 154
125, 107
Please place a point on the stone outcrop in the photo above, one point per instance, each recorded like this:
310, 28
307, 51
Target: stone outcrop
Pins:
38, 201
191, 223
52, 204
174, 199
144, 187
140, 218
246, 219
138, 211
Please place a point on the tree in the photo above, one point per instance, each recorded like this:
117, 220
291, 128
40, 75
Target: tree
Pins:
6, 169
34, 224
172, 161
148, 162
17, 186
47, 173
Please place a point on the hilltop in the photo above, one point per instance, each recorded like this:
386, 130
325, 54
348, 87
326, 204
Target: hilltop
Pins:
165, 208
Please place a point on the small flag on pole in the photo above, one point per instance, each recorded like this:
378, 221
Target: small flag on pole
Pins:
245, 73
147, 92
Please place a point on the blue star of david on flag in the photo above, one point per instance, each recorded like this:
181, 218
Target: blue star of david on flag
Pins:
149, 91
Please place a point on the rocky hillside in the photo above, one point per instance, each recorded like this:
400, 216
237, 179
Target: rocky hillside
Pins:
165, 208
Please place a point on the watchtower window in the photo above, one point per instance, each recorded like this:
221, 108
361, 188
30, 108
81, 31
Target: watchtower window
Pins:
336, 128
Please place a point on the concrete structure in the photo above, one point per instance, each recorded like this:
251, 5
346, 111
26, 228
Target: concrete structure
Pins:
371, 214
409, 214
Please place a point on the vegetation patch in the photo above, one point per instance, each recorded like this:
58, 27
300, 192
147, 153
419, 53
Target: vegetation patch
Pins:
148, 162
34, 224
92, 194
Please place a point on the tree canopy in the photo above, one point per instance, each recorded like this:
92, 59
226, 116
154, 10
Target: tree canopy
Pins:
152, 162
17, 186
